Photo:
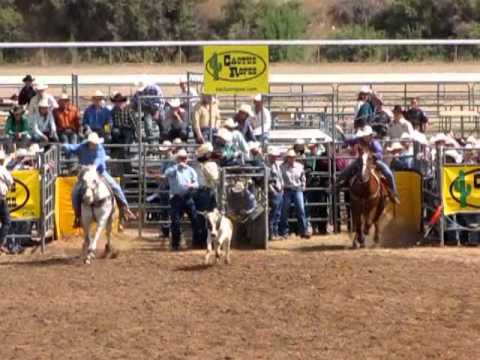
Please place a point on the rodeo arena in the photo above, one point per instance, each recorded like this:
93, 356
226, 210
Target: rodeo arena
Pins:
242, 184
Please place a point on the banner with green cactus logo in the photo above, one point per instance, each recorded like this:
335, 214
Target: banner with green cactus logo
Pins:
235, 69
461, 189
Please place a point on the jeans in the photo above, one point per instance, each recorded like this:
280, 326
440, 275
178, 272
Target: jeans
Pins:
276, 203
68, 137
116, 189
355, 166
296, 197
206, 134
205, 200
179, 205
22, 142
5, 220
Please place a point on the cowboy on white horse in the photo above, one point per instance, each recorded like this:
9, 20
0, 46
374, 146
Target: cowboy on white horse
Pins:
92, 152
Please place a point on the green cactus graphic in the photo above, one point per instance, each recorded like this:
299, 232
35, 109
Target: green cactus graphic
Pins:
463, 188
215, 66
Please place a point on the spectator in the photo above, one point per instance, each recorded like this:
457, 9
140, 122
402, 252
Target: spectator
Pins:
401, 160
244, 118
365, 109
299, 148
208, 176
293, 176
261, 114
16, 127
399, 125
406, 142
152, 106
166, 160
188, 94
123, 121
228, 153
27, 92
256, 157
40, 95
275, 192
382, 119
206, 119
238, 140
97, 117
177, 145
6, 182
23, 160
67, 120
44, 129
416, 116
176, 122
183, 182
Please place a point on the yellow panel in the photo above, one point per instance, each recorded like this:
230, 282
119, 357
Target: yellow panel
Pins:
235, 69
23, 199
461, 189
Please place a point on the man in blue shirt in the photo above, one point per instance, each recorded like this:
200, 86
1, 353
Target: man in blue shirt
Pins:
91, 152
182, 181
364, 138
97, 117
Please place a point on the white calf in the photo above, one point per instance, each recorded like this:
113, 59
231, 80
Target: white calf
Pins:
220, 231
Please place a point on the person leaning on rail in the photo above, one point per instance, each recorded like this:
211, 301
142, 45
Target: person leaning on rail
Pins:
97, 117
67, 120
16, 128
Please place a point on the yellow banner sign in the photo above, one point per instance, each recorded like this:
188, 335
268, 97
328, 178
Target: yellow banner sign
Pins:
23, 198
461, 189
235, 69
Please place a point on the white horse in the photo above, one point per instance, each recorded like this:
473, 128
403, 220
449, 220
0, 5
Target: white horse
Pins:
98, 205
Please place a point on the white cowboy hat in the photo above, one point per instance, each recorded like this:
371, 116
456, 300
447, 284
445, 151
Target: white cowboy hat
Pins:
247, 109
230, 123
257, 98
454, 155
165, 146
365, 89
299, 142
396, 146
225, 134
22, 152
291, 153
238, 187
313, 141
438, 138
471, 140
363, 132
44, 103
64, 96
174, 103
98, 94
273, 151
93, 138
41, 87
35, 148
182, 153
405, 136
204, 149
177, 141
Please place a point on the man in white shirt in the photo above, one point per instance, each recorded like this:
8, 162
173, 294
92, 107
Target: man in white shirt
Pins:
41, 94
43, 124
188, 94
399, 125
256, 121
6, 182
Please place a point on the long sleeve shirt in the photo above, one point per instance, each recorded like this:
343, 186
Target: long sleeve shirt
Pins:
96, 118
293, 176
6, 181
154, 101
26, 94
34, 101
13, 127
374, 146
256, 122
87, 156
181, 179
44, 125
67, 118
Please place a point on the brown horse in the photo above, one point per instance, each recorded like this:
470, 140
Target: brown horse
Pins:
368, 199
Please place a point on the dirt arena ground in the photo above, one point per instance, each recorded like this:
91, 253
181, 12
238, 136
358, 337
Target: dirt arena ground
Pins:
308, 299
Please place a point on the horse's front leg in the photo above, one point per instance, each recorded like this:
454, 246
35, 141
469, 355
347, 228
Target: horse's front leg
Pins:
209, 249
108, 245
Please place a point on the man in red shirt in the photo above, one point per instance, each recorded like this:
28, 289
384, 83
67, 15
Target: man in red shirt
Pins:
67, 119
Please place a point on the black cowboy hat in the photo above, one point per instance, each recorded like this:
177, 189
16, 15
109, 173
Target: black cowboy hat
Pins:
17, 109
118, 97
28, 78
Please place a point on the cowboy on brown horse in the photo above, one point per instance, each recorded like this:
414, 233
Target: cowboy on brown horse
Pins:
366, 142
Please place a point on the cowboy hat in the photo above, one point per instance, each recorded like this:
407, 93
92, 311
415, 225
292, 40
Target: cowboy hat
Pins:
454, 155
35, 148
365, 89
257, 98
273, 151
28, 78
98, 94
440, 137
247, 109
165, 146
225, 134
177, 141
64, 96
204, 149
93, 138
174, 103
405, 137
396, 146
238, 187
291, 153
118, 97
313, 141
364, 132
299, 142
17, 110
22, 152
43, 103
471, 140
182, 153
41, 87
230, 123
